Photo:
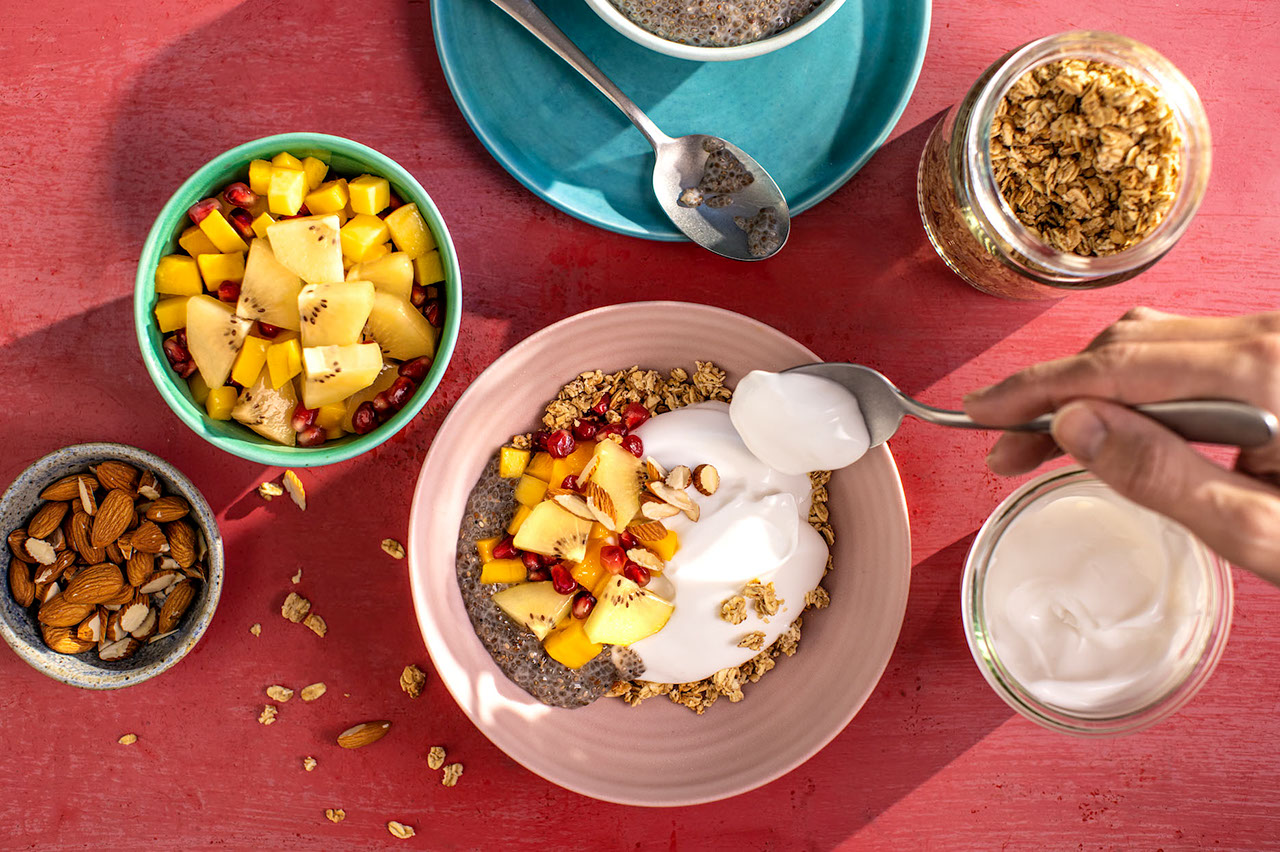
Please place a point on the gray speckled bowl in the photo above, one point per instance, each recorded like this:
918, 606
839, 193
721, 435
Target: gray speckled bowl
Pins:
18, 625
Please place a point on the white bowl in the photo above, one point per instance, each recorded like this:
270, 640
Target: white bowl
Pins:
620, 22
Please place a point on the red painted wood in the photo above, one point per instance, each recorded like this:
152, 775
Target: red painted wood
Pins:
105, 107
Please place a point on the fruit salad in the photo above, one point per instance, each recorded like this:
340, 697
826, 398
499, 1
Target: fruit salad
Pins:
303, 304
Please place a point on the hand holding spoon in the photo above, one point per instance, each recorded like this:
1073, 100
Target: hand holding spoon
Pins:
679, 161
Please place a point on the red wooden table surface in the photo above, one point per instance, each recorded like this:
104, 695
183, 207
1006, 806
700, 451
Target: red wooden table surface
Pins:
106, 107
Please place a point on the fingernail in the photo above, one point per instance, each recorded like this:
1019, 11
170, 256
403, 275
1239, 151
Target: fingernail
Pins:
1079, 431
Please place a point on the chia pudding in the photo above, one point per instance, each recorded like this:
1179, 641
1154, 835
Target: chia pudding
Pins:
715, 23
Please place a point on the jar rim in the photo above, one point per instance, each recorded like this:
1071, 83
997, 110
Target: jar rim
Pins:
1143, 62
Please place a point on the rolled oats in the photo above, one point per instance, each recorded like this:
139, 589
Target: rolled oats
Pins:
268, 715
295, 607
435, 757
765, 596
335, 814
313, 691
269, 491
400, 830
128, 739
753, 640
393, 548
308, 763
317, 624
452, 773
411, 680
256, 629
734, 610
279, 693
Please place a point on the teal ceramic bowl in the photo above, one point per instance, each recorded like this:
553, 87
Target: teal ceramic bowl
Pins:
344, 157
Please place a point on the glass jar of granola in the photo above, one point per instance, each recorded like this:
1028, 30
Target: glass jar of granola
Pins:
1074, 162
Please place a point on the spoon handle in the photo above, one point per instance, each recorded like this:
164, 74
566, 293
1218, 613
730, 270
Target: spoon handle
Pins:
1204, 421
535, 21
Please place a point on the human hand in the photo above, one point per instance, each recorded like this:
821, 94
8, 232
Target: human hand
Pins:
1149, 356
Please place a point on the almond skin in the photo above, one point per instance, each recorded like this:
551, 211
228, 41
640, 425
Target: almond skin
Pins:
59, 612
115, 515
66, 488
24, 591
363, 734
95, 584
175, 606
116, 474
167, 509
47, 519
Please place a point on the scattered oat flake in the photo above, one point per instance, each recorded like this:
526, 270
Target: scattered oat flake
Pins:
268, 714
295, 607
393, 548
335, 814
753, 640
297, 492
817, 598
734, 610
308, 763
765, 597
452, 773
269, 491
316, 623
400, 830
435, 757
312, 691
411, 680
256, 630
128, 739
297, 578
279, 693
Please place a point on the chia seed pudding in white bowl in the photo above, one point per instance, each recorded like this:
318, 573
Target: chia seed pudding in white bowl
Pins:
714, 30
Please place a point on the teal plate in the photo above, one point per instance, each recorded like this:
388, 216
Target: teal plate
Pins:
812, 113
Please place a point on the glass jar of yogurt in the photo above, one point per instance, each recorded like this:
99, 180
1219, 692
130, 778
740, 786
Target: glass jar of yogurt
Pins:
973, 227
1089, 614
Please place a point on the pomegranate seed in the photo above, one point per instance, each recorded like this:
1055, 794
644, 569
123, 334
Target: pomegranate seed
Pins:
634, 414
505, 549
418, 296
610, 429
531, 560
303, 417
570, 483
433, 313
382, 403
415, 370
229, 291
540, 439
312, 436
627, 540
303, 211
243, 223
585, 430
633, 445
239, 195
602, 404
196, 212
365, 420
560, 444
583, 603
399, 392
561, 580
268, 330
185, 369
233, 383
176, 352
636, 573
538, 575
613, 558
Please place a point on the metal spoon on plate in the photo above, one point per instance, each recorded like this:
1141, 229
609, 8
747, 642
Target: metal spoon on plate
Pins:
1205, 421
680, 160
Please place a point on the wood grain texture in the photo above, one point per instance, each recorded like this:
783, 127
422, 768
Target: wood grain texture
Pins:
106, 107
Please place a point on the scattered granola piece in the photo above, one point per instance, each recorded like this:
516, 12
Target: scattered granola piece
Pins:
817, 598
335, 814
765, 597
128, 739
753, 640
308, 763
411, 680
297, 492
452, 773
400, 830
312, 691
316, 623
279, 693
393, 548
297, 578
295, 607
435, 757
729, 683
269, 491
256, 630
734, 610
268, 715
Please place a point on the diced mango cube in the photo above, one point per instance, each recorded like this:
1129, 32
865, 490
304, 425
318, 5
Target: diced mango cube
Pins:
261, 224
588, 571
328, 197
370, 194
375, 252
194, 241
178, 275
569, 645
316, 169
530, 491
250, 361
484, 548
284, 361
574, 463
285, 160
598, 531
512, 462
221, 233
344, 214
518, 519
428, 268
216, 268
540, 465
409, 231
667, 547
260, 176
220, 402
330, 416
288, 189
199, 390
171, 314
362, 233
502, 571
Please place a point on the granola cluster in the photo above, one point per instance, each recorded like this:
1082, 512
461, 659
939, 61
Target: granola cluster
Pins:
1086, 155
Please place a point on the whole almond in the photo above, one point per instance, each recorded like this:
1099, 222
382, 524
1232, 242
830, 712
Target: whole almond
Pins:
57, 611
148, 537
24, 591
121, 597
175, 606
66, 488
47, 519
115, 515
64, 640
78, 538
95, 584
140, 567
167, 509
182, 542
363, 734
116, 474
17, 542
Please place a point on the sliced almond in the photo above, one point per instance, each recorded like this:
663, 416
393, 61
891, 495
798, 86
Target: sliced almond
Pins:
44, 593
135, 613
601, 505
119, 650
400, 830
590, 468
654, 509
40, 551
149, 486
576, 505
147, 628
358, 736
648, 531
114, 632
92, 628
88, 502
646, 558
679, 477
654, 469
159, 581
160, 636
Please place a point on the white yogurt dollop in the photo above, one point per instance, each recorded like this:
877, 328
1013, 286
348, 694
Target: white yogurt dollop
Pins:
1093, 603
755, 526
796, 423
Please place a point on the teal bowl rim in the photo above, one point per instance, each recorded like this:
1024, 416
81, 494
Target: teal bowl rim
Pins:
170, 222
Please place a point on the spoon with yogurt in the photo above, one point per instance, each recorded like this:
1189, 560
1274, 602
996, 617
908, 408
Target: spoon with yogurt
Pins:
711, 189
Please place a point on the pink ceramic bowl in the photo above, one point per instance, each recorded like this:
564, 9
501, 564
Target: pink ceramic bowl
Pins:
660, 754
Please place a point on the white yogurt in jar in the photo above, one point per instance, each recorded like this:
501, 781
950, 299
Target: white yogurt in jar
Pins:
1094, 604
795, 422
755, 526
